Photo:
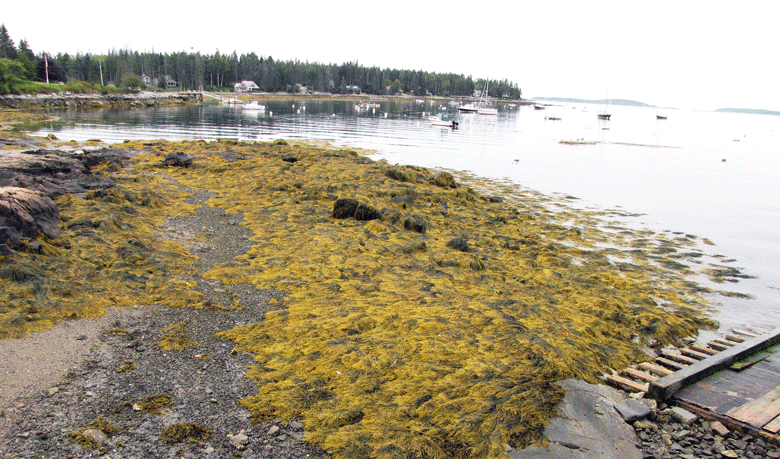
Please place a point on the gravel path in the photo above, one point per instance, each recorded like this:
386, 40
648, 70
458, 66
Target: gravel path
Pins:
59, 381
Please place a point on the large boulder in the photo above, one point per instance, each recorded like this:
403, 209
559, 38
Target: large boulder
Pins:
445, 180
587, 426
179, 159
345, 208
364, 212
27, 212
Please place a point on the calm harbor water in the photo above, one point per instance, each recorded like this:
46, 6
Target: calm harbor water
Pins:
715, 175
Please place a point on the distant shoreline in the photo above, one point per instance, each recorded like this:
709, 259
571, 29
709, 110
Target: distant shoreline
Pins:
68, 101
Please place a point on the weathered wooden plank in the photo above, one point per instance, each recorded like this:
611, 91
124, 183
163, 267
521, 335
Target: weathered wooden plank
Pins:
637, 374
735, 339
670, 363
744, 333
745, 364
760, 411
774, 425
680, 358
704, 349
665, 387
626, 384
720, 344
758, 330
657, 369
694, 354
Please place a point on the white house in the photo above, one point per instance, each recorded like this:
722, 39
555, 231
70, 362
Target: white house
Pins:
245, 86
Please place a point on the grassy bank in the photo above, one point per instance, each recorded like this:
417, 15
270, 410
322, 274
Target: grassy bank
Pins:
429, 323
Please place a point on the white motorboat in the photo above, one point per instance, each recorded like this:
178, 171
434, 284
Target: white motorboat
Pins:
443, 120
468, 108
254, 105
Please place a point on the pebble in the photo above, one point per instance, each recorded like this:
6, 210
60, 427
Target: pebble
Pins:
239, 441
96, 435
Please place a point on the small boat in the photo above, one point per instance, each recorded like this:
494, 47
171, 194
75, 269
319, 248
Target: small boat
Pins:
604, 115
443, 120
484, 107
538, 107
254, 105
468, 108
658, 115
578, 142
553, 118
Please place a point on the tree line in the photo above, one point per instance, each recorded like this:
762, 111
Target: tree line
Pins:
219, 72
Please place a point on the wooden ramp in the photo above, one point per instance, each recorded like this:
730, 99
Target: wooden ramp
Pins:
735, 380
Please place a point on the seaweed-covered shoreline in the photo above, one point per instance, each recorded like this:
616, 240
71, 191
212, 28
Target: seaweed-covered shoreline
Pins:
429, 319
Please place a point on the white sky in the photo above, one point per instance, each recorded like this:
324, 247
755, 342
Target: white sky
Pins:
680, 53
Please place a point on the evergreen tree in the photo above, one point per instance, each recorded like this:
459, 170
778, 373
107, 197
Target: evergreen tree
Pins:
7, 48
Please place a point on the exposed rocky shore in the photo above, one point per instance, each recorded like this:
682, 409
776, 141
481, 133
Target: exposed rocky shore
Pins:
156, 381
65, 100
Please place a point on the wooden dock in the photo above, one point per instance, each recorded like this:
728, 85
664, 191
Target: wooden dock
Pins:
735, 380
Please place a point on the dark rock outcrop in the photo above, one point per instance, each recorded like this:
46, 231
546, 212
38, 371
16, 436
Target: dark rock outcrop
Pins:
54, 172
345, 208
26, 213
364, 212
179, 159
29, 181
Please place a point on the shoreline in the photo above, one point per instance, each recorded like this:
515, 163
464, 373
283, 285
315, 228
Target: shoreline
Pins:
229, 216
143, 99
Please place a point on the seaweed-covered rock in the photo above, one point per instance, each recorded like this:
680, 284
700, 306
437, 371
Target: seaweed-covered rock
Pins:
459, 243
404, 200
28, 212
364, 212
416, 223
179, 159
445, 180
345, 208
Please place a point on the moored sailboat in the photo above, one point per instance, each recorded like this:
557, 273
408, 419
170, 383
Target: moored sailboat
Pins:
604, 113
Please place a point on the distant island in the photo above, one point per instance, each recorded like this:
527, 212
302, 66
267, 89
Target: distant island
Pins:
570, 100
749, 111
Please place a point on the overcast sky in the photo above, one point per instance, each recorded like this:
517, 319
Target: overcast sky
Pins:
680, 53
